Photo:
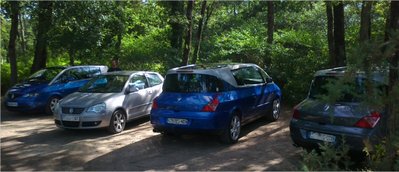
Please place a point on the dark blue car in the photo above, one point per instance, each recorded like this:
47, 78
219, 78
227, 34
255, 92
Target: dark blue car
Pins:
216, 98
347, 119
43, 89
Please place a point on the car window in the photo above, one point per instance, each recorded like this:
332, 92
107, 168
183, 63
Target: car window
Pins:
192, 83
105, 84
138, 81
45, 74
153, 79
89, 72
247, 76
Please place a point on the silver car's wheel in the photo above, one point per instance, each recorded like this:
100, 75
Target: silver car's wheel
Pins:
50, 108
232, 132
118, 122
275, 112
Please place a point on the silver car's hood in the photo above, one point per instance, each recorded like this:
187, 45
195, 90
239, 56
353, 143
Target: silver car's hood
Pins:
79, 99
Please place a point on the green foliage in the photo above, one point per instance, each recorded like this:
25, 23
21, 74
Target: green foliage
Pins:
296, 56
329, 158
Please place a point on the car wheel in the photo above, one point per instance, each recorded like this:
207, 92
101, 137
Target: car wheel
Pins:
232, 132
275, 111
52, 102
118, 122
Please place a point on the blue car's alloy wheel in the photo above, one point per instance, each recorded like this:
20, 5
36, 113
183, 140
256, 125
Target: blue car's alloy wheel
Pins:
232, 133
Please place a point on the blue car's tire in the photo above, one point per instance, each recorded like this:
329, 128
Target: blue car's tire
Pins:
232, 132
274, 113
52, 101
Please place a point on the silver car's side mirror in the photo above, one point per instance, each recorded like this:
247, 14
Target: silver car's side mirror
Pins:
132, 89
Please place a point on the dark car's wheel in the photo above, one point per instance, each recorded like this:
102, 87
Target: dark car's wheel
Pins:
51, 103
232, 132
118, 122
275, 111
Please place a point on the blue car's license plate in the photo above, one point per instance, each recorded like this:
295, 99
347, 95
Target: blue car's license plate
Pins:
177, 121
322, 137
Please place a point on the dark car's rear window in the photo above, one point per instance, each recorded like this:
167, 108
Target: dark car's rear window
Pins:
192, 83
349, 91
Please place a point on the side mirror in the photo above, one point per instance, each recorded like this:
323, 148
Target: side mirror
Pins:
269, 80
132, 89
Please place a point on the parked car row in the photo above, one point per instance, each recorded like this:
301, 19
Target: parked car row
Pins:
213, 98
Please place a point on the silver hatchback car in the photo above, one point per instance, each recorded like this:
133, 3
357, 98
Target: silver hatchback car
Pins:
109, 100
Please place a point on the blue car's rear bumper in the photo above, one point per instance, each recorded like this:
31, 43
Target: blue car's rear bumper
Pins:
196, 121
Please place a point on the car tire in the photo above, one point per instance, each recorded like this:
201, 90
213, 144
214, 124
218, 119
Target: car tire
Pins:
118, 122
52, 101
274, 113
232, 132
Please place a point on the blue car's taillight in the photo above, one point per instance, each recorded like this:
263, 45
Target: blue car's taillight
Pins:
212, 105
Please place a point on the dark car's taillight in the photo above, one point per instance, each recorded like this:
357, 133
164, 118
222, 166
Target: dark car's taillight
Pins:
296, 114
212, 105
155, 103
369, 121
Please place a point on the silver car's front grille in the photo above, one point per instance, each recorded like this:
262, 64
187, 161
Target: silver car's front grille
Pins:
72, 110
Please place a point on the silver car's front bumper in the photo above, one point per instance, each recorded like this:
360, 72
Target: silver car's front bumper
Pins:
82, 121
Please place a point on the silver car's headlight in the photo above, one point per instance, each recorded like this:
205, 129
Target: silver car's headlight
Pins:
97, 108
30, 95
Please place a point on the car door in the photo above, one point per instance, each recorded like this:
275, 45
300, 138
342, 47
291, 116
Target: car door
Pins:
250, 84
155, 88
137, 101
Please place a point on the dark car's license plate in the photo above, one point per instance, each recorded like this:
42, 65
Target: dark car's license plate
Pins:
322, 137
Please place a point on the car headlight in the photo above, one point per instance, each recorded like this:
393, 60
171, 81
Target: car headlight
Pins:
97, 108
31, 95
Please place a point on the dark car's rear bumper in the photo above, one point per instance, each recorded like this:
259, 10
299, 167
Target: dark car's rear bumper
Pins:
356, 138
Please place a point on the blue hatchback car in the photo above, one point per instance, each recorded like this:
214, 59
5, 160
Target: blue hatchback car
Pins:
217, 98
315, 121
43, 89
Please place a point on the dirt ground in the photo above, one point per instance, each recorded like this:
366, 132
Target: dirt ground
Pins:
31, 142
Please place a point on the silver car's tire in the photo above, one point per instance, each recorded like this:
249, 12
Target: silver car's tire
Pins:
118, 122
232, 132
51, 103
275, 111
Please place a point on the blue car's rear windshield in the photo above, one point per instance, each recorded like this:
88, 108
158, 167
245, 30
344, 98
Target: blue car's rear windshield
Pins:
192, 83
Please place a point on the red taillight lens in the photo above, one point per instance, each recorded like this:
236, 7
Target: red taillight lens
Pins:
296, 114
369, 121
155, 104
211, 106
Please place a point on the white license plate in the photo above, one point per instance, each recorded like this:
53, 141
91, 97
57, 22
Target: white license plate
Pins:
12, 104
322, 137
70, 118
177, 121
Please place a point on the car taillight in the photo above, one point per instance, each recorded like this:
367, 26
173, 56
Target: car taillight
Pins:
296, 114
369, 121
211, 106
155, 104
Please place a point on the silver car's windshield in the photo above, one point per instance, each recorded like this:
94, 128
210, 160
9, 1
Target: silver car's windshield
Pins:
105, 84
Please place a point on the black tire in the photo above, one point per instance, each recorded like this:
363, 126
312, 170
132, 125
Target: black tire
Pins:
274, 113
232, 132
52, 101
118, 122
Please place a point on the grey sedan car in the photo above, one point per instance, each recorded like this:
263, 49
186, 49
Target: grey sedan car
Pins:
109, 100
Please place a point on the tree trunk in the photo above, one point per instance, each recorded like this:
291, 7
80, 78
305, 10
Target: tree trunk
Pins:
187, 42
365, 21
44, 24
339, 33
393, 33
177, 28
71, 57
22, 33
12, 55
270, 21
330, 34
199, 33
